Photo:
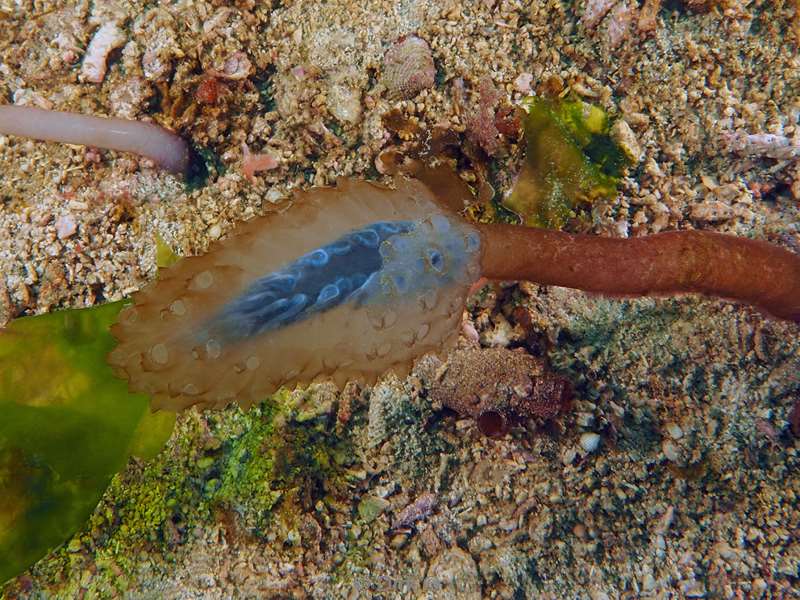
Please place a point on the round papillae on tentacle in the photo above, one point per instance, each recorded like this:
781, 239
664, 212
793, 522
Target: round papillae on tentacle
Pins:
189, 338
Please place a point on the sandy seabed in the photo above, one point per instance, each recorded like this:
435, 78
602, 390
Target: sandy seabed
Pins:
674, 476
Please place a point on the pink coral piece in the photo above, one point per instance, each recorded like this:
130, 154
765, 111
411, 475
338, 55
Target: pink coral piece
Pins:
594, 12
253, 163
65, 227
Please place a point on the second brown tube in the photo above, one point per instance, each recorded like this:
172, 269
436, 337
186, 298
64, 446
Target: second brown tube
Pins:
703, 262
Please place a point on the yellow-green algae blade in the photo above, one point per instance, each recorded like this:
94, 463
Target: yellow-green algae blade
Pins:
67, 425
570, 159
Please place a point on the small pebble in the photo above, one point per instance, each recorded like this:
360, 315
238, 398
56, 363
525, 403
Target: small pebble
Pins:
371, 507
648, 583
671, 451
399, 540
65, 227
523, 83
590, 442
584, 419
674, 430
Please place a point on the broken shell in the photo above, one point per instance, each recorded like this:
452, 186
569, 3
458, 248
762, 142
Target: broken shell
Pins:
408, 68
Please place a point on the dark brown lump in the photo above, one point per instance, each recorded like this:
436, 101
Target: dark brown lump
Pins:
496, 386
794, 418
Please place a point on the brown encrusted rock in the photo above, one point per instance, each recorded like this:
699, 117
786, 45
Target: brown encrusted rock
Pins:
496, 387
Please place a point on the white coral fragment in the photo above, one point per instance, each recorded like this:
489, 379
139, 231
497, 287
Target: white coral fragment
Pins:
594, 12
768, 145
105, 39
623, 135
619, 23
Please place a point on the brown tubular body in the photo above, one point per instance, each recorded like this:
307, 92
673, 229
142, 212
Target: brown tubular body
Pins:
701, 262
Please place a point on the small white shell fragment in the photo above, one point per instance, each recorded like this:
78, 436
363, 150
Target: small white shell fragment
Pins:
623, 135
674, 430
590, 442
523, 83
671, 451
344, 103
65, 227
770, 145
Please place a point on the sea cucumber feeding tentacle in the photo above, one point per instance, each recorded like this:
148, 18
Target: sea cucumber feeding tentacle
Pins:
348, 283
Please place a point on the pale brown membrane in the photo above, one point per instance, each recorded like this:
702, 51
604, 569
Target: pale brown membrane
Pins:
158, 357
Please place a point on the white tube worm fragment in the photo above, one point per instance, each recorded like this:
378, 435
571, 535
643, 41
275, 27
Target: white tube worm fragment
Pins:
768, 145
163, 147
104, 40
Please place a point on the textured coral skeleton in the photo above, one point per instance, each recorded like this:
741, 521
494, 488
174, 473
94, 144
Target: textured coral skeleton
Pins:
497, 387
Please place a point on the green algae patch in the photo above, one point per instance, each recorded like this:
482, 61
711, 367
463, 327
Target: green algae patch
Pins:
570, 160
68, 425
245, 472
165, 256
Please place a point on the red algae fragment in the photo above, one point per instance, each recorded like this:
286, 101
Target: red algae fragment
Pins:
210, 90
481, 127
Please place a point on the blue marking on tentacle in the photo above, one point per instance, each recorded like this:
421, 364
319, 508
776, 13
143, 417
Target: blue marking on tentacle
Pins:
436, 260
368, 238
317, 281
382, 263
